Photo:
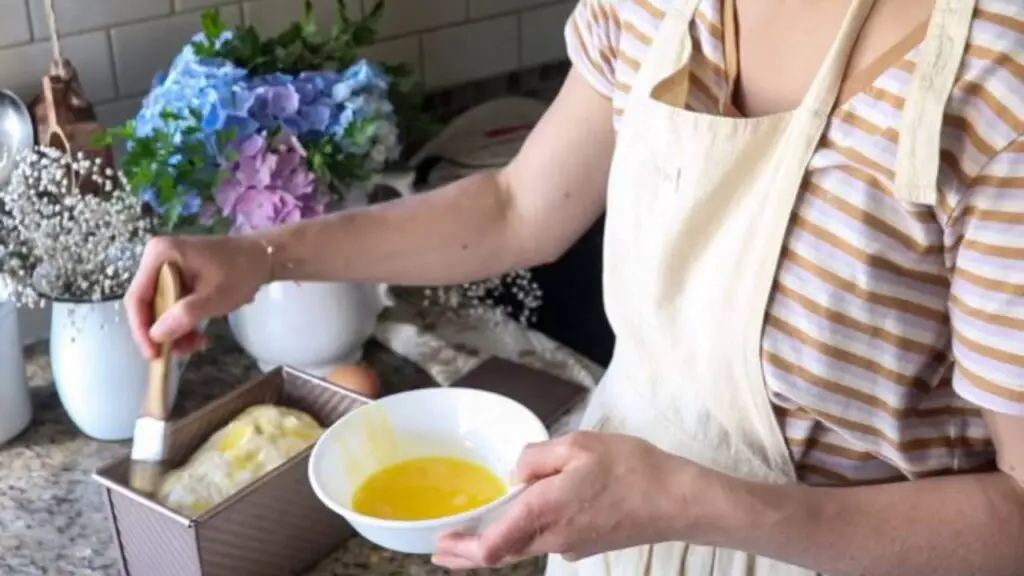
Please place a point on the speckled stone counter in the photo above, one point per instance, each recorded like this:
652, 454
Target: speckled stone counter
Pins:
52, 519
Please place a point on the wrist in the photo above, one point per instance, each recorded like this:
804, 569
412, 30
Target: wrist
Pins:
710, 508
265, 254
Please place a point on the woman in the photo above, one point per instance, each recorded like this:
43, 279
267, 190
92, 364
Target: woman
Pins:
816, 281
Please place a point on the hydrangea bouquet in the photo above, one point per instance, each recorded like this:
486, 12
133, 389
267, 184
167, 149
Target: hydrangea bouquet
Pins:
242, 133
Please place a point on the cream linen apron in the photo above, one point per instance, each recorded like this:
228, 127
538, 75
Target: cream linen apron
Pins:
698, 209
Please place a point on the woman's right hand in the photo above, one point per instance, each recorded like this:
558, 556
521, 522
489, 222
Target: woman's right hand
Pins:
219, 273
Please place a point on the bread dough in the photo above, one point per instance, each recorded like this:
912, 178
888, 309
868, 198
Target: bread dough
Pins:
255, 442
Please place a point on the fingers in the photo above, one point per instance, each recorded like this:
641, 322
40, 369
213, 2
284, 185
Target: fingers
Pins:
181, 319
508, 540
459, 563
190, 343
544, 459
138, 299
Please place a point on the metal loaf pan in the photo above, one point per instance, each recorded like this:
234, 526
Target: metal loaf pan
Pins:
274, 527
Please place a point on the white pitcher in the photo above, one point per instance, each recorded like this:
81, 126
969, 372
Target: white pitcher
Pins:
312, 326
99, 373
15, 400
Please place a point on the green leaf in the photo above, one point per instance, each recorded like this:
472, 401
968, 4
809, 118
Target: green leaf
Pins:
168, 115
172, 214
308, 20
341, 10
103, 139
373, 18
213, 25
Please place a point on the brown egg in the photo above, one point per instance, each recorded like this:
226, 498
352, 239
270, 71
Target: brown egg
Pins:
358, 378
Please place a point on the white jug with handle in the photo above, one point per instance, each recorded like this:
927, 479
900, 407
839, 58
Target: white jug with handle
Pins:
15, 400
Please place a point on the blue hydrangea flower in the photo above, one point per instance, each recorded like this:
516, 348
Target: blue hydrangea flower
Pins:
191, 204
365, 75
340, 123
149, 197
317, 115
275, 79
243, 126
273, 104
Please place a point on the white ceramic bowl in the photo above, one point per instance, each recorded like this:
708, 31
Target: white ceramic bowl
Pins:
484, 427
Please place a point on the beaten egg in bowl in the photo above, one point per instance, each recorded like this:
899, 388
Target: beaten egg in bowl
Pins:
426, 488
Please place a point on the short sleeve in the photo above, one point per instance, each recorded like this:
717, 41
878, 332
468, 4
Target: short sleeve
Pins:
592, 40
986, 305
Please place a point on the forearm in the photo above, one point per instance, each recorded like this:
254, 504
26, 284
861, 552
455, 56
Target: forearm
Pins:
970, 525
455, 234
529, 213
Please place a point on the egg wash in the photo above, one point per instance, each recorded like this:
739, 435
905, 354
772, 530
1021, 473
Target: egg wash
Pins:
426, 488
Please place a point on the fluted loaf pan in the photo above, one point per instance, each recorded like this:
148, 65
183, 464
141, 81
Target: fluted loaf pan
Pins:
274, 527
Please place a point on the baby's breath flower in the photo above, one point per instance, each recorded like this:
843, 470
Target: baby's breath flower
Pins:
56, 242
515, 295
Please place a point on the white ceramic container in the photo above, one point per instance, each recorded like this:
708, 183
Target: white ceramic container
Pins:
312, 326
98, 371
15, 399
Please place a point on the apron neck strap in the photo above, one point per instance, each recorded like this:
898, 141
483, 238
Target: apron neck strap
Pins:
671, 49
822, 95
917, 154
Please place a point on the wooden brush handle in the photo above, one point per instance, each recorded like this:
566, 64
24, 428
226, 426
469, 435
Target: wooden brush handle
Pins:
168, 292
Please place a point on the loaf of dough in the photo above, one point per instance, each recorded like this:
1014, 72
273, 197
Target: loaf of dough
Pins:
255, 442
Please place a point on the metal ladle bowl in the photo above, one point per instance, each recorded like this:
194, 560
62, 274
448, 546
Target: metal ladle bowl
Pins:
16, 132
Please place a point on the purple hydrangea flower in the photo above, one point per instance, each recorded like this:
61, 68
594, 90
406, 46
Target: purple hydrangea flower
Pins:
270, 185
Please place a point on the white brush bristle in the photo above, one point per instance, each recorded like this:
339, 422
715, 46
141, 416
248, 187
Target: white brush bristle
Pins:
149, 443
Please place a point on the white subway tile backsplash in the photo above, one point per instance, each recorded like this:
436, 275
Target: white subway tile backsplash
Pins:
118, 112
273, 16
22, 67
82, 15
401, 51
119, 45
541, 34
14, 26
471, 52
405, 16
488, 8
141, 50
187, 5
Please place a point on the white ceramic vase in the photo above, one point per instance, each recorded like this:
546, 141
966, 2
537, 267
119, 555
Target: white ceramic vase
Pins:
311, 326
15, 400
99, 373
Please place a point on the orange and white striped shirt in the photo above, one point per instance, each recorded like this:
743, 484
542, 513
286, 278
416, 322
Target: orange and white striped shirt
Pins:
891, 324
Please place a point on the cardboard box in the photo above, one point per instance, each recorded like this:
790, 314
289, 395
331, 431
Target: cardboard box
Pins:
275, 526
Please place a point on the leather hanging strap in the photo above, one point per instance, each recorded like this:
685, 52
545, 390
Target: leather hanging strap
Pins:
64, 118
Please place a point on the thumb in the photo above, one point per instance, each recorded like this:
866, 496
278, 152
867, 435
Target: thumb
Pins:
180, 319
542, 460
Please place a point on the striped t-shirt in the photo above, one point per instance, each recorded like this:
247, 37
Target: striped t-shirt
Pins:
890, 323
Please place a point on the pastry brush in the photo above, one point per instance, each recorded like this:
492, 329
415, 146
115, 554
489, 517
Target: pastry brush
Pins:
149, 442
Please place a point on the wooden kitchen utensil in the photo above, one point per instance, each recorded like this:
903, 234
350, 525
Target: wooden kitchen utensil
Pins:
149, 442
64, 119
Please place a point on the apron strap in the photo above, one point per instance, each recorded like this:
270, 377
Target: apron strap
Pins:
917, 155
822, 95
673, 39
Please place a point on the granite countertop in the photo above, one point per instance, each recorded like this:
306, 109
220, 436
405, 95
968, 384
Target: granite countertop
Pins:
52, 518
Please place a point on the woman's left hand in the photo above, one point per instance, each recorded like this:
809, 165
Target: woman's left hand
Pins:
588, 493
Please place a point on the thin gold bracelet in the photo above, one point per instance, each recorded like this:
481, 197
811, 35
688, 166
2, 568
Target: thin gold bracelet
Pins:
269, 248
